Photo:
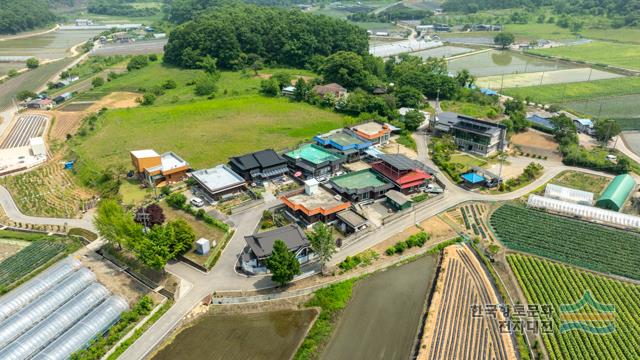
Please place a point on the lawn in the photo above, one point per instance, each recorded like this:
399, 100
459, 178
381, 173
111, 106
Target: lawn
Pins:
559, 93
535, 31
627, 35
470, 109
204, 133
467, 161
598, 52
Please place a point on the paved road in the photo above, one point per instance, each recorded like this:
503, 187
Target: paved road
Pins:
12, 212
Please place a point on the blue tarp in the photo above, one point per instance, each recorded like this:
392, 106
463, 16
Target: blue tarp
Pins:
488, 92
473, 178
373, 152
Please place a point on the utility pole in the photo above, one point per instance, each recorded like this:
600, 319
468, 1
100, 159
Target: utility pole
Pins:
590, 72
501, 82
541, 77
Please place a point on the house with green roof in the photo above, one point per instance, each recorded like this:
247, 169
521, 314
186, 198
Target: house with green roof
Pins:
616, 193
360, 185
313, 161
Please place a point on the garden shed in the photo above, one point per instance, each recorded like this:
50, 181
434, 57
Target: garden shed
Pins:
616, 193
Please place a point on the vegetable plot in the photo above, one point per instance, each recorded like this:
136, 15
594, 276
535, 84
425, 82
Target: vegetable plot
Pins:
544, 282
27, 260
578, 243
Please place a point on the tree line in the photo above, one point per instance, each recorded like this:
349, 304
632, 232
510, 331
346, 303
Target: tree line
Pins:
239, 36
24, 15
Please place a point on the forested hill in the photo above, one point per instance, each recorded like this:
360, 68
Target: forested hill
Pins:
179, 11
593, 7
241, 35
23, 15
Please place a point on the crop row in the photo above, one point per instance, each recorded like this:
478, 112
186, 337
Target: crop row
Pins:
544, 282
27, 260
575, 242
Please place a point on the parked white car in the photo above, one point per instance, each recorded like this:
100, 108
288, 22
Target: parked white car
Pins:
197, 202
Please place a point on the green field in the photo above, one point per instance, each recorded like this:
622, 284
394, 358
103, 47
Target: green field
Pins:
204, 133
545, 282
156, 73
575, 242
598, 52
470, 109
581, 181
559, 93
622, 108
27, 260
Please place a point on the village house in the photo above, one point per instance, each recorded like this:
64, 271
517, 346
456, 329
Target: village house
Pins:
313, 161
472, 135
313, 204
336, 90
373, 131
219, 182
350, 222
260, 246
407, 175
259, 166
358, 186
158, 170
584, 126
345, 142
39, 104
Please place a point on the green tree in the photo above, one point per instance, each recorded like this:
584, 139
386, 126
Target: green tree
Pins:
322, 243
169, 84
606, 129
209, 65
282, 263
283, 78
32, 63
97, 82
464, 78
512, 106
413, 119
409, 97
115, 225
154, 248
137, 62
176, 200
153, 57
270, 87
302, 90
148, 99
345, 68
565, 130
25, 94
504, 39
184, 237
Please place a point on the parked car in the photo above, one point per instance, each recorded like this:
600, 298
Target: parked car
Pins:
612, 157
197, 202
432, 189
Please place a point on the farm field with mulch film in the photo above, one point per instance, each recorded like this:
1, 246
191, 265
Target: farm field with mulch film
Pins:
546, 282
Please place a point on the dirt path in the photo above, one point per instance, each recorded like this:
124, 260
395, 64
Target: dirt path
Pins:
27, 35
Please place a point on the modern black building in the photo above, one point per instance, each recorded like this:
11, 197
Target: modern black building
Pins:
259, 166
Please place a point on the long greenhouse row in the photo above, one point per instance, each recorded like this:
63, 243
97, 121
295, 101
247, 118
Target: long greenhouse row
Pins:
56, 313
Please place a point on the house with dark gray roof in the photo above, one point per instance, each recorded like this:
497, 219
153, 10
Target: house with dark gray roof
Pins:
259, 166
260, 246
472, 135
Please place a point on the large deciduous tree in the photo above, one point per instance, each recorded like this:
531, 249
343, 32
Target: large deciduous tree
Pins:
322, 242
504, 39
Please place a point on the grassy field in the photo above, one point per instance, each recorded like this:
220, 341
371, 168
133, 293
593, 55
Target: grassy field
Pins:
558, 93
466, 160
581, 181
545, 282
205, 133
625, 35
469, 109
598, 52
156, 73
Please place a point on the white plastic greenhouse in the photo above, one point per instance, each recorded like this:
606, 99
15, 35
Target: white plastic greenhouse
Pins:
29, 291
49, 329
568, 194
92, 325
589, 213
43, 306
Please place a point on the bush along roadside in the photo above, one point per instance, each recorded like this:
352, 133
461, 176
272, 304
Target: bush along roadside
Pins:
416, 240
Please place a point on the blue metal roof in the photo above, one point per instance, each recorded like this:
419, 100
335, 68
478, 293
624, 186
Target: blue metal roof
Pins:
473, 178
539, 120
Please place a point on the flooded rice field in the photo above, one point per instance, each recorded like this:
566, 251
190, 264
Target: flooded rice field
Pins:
262, 336
443, 51
497, 62
52, 45
381, 321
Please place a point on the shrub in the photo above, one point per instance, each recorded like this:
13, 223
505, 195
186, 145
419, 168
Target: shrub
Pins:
153, 57
205, 85
32, 63
148, 99
137, 62
177, 201
170, 84
97, 82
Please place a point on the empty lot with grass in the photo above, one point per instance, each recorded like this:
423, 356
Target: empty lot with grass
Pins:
205, 132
